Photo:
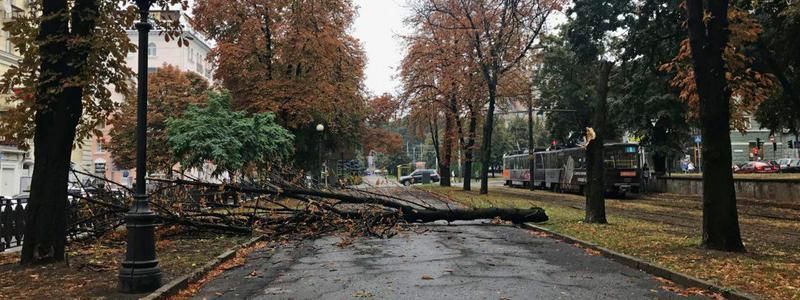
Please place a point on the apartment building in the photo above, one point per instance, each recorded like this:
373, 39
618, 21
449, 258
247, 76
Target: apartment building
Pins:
16, 165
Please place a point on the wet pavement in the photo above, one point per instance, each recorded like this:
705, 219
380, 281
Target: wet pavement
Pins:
467, 261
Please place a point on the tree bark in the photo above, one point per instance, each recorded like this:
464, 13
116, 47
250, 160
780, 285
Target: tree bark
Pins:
595, 196
708, 38
530, 144
58, 113
468, 148
449, 140
420, 214
486, 144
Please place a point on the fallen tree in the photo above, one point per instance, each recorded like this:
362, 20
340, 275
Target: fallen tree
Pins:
274, 205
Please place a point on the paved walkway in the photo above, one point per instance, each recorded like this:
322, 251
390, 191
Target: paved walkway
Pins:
441, 262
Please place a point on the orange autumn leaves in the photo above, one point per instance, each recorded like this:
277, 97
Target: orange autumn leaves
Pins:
749, 88
294, 58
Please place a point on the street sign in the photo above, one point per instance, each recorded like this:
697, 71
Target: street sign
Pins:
698, 139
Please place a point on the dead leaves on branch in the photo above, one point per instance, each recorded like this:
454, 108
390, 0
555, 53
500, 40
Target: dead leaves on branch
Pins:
749, 88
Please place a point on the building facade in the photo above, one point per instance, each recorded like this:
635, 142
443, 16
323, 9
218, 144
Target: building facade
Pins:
773, 146
92, 157
16, 165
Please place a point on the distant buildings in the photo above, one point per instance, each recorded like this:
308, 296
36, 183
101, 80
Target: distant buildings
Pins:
743, 145
91, 157
16, 165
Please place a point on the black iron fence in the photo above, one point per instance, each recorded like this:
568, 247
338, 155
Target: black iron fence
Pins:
12, 223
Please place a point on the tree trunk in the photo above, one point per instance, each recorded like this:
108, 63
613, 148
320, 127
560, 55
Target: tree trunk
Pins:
486, 144
449, 140
595, 196
708, 38
469, 148
58, 112
530, 144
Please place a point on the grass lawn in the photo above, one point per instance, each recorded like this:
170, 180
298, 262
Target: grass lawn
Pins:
92, 268
770, 269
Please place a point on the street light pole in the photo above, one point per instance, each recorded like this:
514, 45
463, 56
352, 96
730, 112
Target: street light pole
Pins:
140, 272
322, 175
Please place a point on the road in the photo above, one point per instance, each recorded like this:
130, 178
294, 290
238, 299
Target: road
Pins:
468, 261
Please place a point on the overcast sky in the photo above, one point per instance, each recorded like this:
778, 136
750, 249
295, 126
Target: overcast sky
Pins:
377, 26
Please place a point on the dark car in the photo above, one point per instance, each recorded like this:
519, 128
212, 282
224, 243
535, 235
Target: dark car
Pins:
416, 176
758, 167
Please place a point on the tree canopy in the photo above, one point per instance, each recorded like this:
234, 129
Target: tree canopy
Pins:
231, 140
170, 92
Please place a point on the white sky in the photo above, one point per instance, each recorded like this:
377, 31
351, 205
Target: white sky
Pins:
377, 26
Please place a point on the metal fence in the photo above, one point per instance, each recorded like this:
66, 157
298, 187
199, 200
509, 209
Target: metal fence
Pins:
12, 223
81, 219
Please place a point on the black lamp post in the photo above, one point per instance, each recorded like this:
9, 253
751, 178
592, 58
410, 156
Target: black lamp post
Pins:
322, 173
140, 272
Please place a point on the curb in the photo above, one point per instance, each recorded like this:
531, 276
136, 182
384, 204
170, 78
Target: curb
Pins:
652, 269
177, 284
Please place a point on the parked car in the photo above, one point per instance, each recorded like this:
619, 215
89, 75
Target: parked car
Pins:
416, 176
786, 162
793, 168
758, 167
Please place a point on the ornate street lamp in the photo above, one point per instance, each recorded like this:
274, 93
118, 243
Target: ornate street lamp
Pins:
140, 272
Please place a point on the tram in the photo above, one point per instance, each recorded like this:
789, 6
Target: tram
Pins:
564, 170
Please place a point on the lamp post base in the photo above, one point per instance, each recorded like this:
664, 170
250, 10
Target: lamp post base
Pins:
140, 272
137, 281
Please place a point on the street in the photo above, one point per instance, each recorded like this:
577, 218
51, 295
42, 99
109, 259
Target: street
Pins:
467, 261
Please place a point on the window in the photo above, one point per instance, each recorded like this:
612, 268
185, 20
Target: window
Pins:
191, 55
100, 147
151, 49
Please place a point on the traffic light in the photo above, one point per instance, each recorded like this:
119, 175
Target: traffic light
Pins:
791, 144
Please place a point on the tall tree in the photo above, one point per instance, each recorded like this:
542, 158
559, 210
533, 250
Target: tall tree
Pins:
295, 58
170, 91
72, 52
437, 74
501, 34
648, 106
780, 56
591, 34
708, 39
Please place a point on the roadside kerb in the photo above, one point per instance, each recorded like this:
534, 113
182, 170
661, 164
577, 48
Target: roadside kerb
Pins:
652, 269
177, 284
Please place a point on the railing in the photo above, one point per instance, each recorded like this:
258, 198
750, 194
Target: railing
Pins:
80, 220
12, 223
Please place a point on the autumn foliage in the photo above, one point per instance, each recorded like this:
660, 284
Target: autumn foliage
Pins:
749, 87
170, 92
376, 137
294, 58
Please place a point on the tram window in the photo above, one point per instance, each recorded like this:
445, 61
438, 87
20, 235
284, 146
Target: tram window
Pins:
621, 158
538, 162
